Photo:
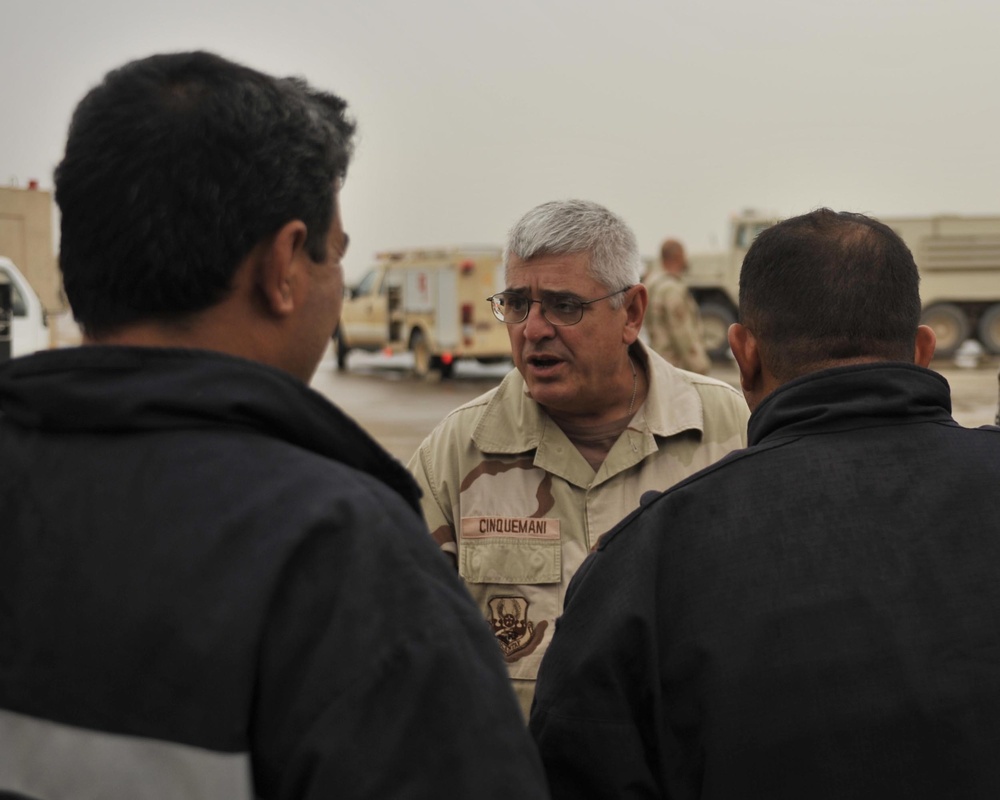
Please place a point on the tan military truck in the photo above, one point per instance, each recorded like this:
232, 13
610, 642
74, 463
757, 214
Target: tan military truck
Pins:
958, 258
431, 303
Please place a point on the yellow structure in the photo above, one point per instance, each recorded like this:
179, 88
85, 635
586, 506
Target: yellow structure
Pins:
26, 239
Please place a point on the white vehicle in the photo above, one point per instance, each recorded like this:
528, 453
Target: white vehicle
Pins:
30, 326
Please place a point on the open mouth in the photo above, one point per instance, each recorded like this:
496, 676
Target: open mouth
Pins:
543, 362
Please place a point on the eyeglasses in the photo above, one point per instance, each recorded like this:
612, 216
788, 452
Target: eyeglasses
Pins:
558, 309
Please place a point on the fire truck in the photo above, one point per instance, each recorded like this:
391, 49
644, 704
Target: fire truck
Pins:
429, 302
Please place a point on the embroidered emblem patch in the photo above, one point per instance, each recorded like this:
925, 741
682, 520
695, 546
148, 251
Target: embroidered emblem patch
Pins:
515, 633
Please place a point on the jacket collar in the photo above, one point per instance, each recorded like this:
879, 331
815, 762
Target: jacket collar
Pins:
123, 389
851, 397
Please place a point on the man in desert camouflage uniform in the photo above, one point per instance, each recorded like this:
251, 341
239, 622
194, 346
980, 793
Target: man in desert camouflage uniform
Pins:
520, 483
674, 322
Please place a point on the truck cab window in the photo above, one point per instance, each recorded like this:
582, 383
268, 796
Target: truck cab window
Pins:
17, 303
746, 232
367, 284
743, 236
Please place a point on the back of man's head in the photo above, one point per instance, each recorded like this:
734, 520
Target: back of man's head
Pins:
176, 166
565, 227
829, 287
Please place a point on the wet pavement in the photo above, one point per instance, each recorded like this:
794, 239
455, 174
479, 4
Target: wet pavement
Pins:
396, 408
400, 410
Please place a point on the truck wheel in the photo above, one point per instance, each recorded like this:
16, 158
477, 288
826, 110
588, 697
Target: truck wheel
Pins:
950, 326
989, 329
715, 321
422, 361
342, 350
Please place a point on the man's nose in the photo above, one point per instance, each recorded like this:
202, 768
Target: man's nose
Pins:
535, 325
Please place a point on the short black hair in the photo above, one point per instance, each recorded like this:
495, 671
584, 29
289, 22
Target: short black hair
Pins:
176, 166
827, 286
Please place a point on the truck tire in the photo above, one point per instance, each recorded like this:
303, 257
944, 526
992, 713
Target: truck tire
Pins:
989, 329
715, 321
423, 362
342, 350
950, 325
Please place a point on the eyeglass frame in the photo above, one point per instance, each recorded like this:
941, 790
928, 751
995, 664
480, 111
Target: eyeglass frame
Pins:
541, 303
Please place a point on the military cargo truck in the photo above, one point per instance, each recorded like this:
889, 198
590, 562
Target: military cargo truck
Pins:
431, 303
958, 258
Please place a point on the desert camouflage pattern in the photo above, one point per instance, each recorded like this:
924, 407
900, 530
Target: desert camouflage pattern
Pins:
673, 323
512, 500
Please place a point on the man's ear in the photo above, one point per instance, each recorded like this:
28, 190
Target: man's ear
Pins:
926, 343
279, 268
744, 346
635, 310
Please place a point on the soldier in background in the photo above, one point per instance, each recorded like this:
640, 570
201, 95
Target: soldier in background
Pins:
674, 322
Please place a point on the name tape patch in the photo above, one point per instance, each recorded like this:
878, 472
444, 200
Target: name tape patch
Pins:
515, 527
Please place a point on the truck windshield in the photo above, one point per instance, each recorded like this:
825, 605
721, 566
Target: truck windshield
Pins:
366, 284
746, 232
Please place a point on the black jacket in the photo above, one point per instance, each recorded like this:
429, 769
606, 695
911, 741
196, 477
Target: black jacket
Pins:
817, 616
213, 583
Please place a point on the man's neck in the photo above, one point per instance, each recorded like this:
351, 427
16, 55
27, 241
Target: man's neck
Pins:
594, 441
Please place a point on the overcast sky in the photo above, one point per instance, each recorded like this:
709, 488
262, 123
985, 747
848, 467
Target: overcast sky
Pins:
675, 115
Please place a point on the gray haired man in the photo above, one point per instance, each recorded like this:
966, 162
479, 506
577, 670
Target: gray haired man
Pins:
520, 483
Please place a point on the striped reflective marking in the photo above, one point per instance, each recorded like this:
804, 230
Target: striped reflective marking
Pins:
49, 761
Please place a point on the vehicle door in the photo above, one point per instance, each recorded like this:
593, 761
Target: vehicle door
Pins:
365, 316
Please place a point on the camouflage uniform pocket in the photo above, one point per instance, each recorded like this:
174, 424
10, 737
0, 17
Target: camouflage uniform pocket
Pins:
510, 561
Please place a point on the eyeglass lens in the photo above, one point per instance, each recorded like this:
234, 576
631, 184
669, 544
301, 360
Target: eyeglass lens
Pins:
511, 307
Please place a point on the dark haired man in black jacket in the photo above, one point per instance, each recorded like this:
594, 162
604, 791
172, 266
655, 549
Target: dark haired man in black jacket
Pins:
213, 584
818, 615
